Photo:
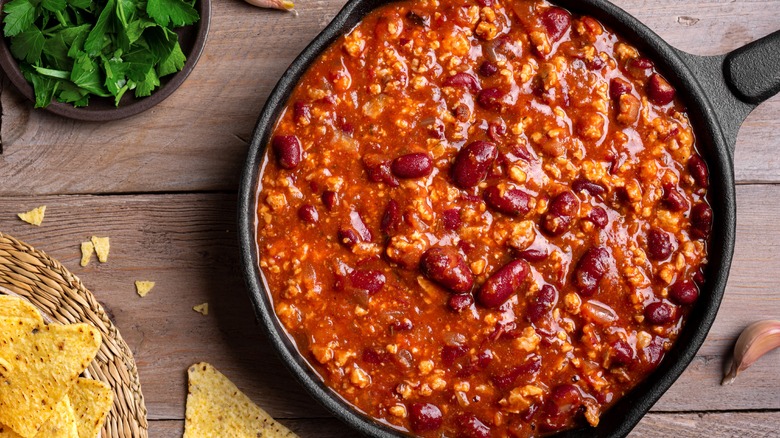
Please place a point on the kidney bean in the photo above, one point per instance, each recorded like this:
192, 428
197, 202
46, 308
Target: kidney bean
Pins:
621, 353
451, 353
469, 426
460, 302
659, 91
560, 213
415, 165
496, 130
698, 169
660, 244
698, 276
659, 313
375, 356
591, 268
288, 151
301, 110
619, 87
368, 280
533, 255
446, 267
556, 21
655, 351
355, 232
473, 163
564, 399
639, 68
308, 214
599, 217
512, 202
503, 283
684, 292
673, 200
507, 378
583, 185
330, 199
491, 99
348, 237
451, 219
401, 326
463, 80
424, 417
701, 220
522, 152
488, 68
545, 300
391, 219
378, 170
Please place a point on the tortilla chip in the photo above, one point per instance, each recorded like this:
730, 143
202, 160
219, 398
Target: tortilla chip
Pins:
216, 408
34, 216
45, 362
102, 246
19, 308
143, 287
203, 309
87, 248
91, 400
62, 424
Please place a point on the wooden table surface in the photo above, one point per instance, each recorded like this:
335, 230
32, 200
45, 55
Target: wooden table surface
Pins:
163, 186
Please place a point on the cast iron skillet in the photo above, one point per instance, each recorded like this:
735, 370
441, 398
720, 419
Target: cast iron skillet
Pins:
719, 91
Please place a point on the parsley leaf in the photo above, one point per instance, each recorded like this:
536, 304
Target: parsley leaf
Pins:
97, 37
171, 11
20, 14
54, 5
28, 45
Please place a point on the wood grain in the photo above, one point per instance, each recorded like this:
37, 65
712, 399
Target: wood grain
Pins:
196, 139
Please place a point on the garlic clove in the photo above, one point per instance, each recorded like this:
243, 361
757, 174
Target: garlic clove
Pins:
756, 340
285, 5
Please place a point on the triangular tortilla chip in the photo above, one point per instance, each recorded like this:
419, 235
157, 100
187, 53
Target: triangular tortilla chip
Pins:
203, 309
19, 308
34, 216
216, 408
91, 400
45, 361
61, 424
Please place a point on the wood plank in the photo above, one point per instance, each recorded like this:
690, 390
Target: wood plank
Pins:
195, 140
728, 424
187, 244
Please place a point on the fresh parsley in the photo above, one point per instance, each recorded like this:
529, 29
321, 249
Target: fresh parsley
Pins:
70, 50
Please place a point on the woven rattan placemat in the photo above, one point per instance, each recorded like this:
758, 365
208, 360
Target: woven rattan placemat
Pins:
61, 297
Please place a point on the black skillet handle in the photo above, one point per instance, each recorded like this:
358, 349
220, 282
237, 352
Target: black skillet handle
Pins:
737, 82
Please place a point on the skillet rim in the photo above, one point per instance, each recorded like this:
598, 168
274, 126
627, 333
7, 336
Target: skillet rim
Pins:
619, 419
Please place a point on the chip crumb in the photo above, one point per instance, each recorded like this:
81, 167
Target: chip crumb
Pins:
87, 248
143, 287
34, 216
203, 309
102, 246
